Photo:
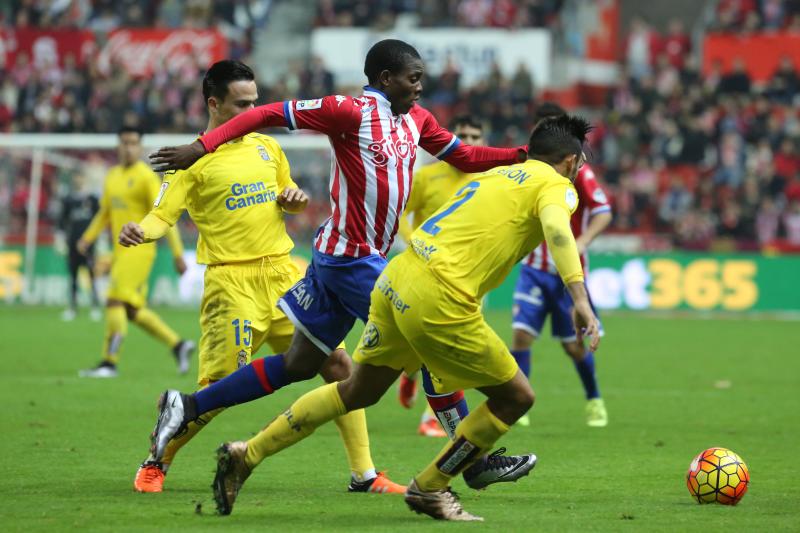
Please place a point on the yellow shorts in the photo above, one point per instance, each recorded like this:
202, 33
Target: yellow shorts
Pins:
239, 313
415, 319
130, 272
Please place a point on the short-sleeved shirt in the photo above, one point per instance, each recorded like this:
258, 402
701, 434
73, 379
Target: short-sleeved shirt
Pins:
472, 242
231, 194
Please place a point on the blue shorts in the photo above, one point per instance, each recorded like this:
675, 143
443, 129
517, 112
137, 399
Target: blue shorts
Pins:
538, 294
335, 291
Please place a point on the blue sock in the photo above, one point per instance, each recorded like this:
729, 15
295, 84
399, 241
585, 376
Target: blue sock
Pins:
585, 370
523, 358
449, 409
260, 378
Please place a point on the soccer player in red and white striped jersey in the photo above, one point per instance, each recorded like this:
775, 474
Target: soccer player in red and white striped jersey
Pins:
374, 140
540, 292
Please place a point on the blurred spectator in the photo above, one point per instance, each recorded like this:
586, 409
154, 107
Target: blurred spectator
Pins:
641, 48
737, 81
676, 43
785, 82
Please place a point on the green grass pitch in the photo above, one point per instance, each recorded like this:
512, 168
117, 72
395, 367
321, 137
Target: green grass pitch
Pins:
673, 387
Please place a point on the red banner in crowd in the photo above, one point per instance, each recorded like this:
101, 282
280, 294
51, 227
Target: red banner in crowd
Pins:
144, 51
46, 47
761, 53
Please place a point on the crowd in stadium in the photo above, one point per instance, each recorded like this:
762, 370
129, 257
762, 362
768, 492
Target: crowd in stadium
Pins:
699, 156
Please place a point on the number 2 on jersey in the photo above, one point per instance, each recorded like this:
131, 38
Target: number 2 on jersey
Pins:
430, 226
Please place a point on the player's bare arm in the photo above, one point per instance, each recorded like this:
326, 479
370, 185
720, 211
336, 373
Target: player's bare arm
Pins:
176, 157
292, 200
597, 224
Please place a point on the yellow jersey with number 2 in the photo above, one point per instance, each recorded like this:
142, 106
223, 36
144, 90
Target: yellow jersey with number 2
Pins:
474, 240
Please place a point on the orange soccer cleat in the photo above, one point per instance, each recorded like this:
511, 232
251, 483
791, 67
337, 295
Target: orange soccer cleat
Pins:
431, 428
149, 478
407, 392
379, 484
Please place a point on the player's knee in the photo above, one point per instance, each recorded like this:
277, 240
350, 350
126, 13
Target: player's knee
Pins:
522, 340
524, 398
337, 367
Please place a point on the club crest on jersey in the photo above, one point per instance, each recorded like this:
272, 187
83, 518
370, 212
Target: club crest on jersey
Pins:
263, 153
371, 337
305, 105
241, 359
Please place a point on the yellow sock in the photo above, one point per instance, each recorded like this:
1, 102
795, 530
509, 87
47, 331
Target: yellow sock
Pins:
475, 435
152, 324
116, 329
353, 429
192, 429
296, 423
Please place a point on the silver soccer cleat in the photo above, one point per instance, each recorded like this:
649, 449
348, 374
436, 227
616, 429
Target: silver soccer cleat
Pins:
498, 468
171, 420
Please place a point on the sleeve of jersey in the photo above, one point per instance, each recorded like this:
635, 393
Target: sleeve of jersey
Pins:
444, 145
174, 241
561, 243
153, 227
170, 202
284, 174
593, 194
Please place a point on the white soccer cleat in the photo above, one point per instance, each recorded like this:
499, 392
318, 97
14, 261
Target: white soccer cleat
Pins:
95, 314
498, 468
103, 370
171, 420
183, 353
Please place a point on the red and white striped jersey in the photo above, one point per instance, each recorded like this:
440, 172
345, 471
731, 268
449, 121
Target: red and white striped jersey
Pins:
592, 200
373, 154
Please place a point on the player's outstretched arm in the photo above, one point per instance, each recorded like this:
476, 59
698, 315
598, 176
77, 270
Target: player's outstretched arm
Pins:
444, 145
561, 243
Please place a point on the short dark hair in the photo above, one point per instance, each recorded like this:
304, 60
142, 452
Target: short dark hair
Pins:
548, 110
555, 138
222, 73
466, 120
130, 129
388, 54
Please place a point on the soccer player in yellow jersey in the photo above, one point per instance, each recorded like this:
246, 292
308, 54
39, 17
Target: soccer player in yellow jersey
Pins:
238, 196
434, 184
129, 192
425, 309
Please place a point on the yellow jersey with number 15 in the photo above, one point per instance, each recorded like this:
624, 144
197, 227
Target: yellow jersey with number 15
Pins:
473, 241
231, 195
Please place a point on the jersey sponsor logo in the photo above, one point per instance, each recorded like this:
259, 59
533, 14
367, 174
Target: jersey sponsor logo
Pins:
161, 193
385, 149
305, 105
384, 286
247, 194
340, 99
301, 297
571, 198
263, 153
423, 250
371, 337
599, 196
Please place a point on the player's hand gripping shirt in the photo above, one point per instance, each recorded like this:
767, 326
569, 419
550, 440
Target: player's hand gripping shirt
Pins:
128, 194
231, 196
433, 185
373, 155
473, 241
592, 200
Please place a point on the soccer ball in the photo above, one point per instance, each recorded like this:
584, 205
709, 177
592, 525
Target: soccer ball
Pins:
717, 475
